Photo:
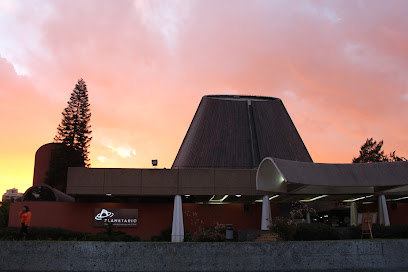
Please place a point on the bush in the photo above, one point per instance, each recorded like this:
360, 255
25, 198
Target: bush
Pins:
58, 234
284, 228
355, 232
204, 234
188, 236
165, 236
9, 234
210, 234
115, 236
384, 232
315, 231
55, 234
34, 233
156, 238
4, 214
398, 231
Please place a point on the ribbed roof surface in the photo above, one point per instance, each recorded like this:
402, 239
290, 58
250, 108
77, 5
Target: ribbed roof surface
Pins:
238, 132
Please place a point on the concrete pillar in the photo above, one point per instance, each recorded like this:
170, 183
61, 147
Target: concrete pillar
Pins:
266, 213
353, 214
383, 211
308, 218
177, 232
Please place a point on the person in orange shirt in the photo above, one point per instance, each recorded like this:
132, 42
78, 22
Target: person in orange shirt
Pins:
25, 216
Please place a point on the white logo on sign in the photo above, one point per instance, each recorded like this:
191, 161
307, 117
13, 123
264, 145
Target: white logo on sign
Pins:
103, 214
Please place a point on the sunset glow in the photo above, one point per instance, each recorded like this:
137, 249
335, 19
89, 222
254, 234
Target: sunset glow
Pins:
340, 68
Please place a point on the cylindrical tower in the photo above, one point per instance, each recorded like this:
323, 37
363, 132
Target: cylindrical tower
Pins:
42, 162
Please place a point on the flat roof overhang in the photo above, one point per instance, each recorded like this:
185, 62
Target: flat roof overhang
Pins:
305, 178
284, 181
162, 182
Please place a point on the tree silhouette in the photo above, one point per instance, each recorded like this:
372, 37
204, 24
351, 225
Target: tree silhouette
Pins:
371, 152
73, 138
74, 130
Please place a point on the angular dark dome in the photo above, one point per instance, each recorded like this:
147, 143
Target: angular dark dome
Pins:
238, 132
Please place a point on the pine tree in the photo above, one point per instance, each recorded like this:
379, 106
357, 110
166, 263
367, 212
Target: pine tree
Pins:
73, 138
74, 130
371, 152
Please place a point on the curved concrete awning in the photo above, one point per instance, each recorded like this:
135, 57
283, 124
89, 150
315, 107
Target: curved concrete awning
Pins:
43, 192
283, 176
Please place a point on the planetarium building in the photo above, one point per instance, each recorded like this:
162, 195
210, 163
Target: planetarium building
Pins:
242, 162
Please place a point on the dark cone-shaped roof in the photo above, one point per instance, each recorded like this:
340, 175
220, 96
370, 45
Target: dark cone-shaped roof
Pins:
238, 132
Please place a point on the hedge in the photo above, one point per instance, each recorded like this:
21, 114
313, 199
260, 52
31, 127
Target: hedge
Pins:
58, 234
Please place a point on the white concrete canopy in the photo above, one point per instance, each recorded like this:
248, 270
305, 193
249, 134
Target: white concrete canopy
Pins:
294, 177
177, 232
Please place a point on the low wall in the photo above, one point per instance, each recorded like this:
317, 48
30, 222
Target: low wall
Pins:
153, 218
379, 255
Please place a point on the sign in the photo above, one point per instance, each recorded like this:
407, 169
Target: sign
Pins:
124, 218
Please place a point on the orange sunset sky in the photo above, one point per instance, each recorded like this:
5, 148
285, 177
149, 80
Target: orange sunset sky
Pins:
340, 68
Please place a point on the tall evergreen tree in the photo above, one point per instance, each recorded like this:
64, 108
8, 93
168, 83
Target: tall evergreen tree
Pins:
74, 130
73, 138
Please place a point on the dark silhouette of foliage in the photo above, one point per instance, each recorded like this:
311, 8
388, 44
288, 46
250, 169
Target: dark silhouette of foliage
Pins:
58, 234
371, 152
4, 213
286, 227
315, 231
73, 135
74, 130
392, 157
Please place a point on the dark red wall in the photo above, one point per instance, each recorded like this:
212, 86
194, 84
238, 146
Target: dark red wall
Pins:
42, 162
399, 216
153, 218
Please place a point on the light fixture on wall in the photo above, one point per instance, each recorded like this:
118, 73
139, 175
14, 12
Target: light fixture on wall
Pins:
154, 162
357, 198
313, 199
217, 199
272, 197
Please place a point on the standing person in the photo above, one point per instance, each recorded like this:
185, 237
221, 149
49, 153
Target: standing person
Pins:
25, 216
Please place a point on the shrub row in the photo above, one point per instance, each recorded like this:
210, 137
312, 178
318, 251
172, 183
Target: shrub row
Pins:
207, 234
318, 231
303, 231
58, 234
300, 232
383, 232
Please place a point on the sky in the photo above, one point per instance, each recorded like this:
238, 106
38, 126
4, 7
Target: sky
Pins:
340, 68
